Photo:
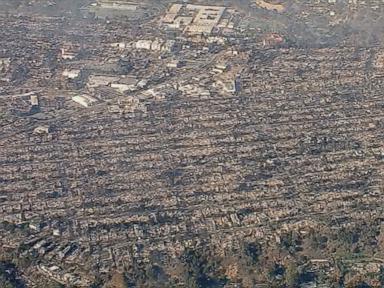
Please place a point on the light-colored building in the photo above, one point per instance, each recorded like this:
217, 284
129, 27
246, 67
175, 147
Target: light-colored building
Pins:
194, 19
5, 62
117, 4
85, 100
68, 54
142, 83
101, 80
156, 45
42, 130
172, 13
125, 84
34, 100
175, 64
71, 74
228, 85
143, 44
270, 6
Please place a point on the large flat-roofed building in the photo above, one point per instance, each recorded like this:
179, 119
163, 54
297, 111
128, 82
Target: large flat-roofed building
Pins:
194, 19
116, 8
100, 80
71, 74
34, 100
273, 6
85, 100
69, 51
207, 15
156, 45
172, 13
116, 4
125, 84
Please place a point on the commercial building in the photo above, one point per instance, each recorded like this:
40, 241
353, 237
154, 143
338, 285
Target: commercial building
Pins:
196, 19
71, 74
125, 84
156, 45
101, 80
85, 100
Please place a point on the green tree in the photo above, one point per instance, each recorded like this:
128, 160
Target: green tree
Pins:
381, 276
253, 251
